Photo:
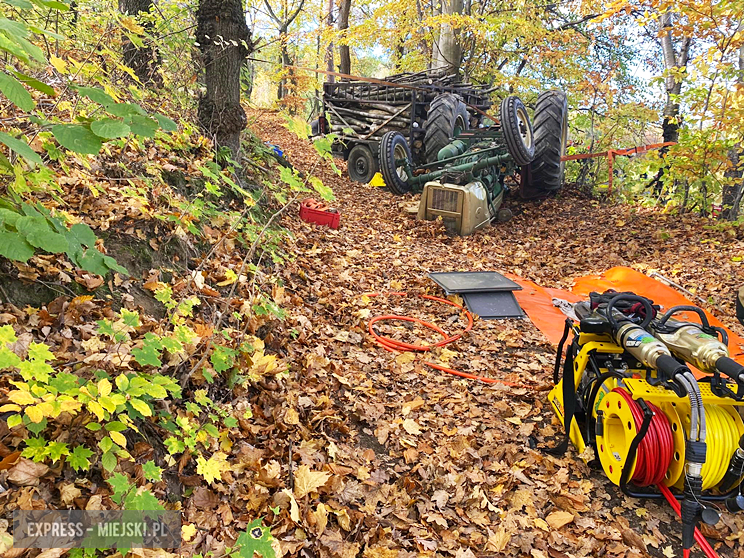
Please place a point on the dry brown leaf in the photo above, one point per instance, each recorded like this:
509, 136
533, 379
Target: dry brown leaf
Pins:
558, 519
307, 481
498, 540
412, 427
68, 493
27, 472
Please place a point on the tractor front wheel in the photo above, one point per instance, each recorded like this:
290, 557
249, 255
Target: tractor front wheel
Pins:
361, 164
394, 151
517, 130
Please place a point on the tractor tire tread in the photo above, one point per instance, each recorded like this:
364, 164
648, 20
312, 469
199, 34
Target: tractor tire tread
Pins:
440, 123
551, 114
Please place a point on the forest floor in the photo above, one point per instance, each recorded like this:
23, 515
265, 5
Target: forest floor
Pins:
354, 451
424, 463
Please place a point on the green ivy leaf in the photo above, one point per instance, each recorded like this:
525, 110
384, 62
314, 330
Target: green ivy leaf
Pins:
82, 234
142, 499
256, 539
14, 247
92, 260
174, 445
20, 147
222, 358
36, 449
57, 450
108, 460
122, 110
16, 93
152, 472
143, 126
325, 192
8, 359
166, 123
96, 94
78, 459
35, 83
120, 484
48, 241
109, 128
77, 138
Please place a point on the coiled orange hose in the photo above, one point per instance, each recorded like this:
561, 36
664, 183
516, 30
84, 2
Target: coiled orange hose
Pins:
394, 345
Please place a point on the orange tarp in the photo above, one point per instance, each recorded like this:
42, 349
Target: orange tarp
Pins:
536, 301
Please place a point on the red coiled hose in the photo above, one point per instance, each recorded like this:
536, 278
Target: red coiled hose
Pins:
656, 449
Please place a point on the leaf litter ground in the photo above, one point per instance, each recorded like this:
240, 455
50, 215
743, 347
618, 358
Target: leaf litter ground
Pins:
362, 452
424, 463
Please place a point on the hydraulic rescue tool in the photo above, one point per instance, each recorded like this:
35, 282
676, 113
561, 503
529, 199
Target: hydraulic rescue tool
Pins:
627, 390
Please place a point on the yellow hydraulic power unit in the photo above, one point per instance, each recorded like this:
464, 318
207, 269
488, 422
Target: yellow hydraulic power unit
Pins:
626, 389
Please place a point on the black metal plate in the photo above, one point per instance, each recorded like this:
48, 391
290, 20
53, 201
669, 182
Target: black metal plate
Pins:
493, 305
473, 282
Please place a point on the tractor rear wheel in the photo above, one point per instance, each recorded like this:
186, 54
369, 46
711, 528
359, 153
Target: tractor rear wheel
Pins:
394, 148
545, 172
447, 117
517, 130
361, 164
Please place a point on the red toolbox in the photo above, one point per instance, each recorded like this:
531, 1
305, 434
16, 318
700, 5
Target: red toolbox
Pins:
313, 211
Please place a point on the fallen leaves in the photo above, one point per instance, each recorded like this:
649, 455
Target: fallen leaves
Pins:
307, 481
27, 472
558, 519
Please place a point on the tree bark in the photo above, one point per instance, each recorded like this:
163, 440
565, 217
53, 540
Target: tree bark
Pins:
447, 52
674, 62
219, 23
329, 58
144, 61
733, 192
344, 52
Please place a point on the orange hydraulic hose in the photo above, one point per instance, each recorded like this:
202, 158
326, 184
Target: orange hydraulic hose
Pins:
394, 345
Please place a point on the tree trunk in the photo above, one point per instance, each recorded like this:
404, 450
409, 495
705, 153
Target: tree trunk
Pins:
733, 192
344, 52
446, 52
144, 61
285, 61
673, 63
329, 58
219, 23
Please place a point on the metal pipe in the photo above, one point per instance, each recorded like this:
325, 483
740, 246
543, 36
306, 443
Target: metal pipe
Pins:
463, 167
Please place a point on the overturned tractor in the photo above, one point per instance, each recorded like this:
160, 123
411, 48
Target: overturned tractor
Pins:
464, 184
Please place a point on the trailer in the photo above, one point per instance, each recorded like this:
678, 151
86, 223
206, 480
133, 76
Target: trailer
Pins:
428, 108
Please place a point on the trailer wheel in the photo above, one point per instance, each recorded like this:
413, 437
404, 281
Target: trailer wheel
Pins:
517, 130
393, 148
447, 117
545, 172
361, 164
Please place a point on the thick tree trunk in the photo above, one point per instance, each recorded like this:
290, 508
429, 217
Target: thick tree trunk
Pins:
144, 61
344, 52
219, 23
446, 52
